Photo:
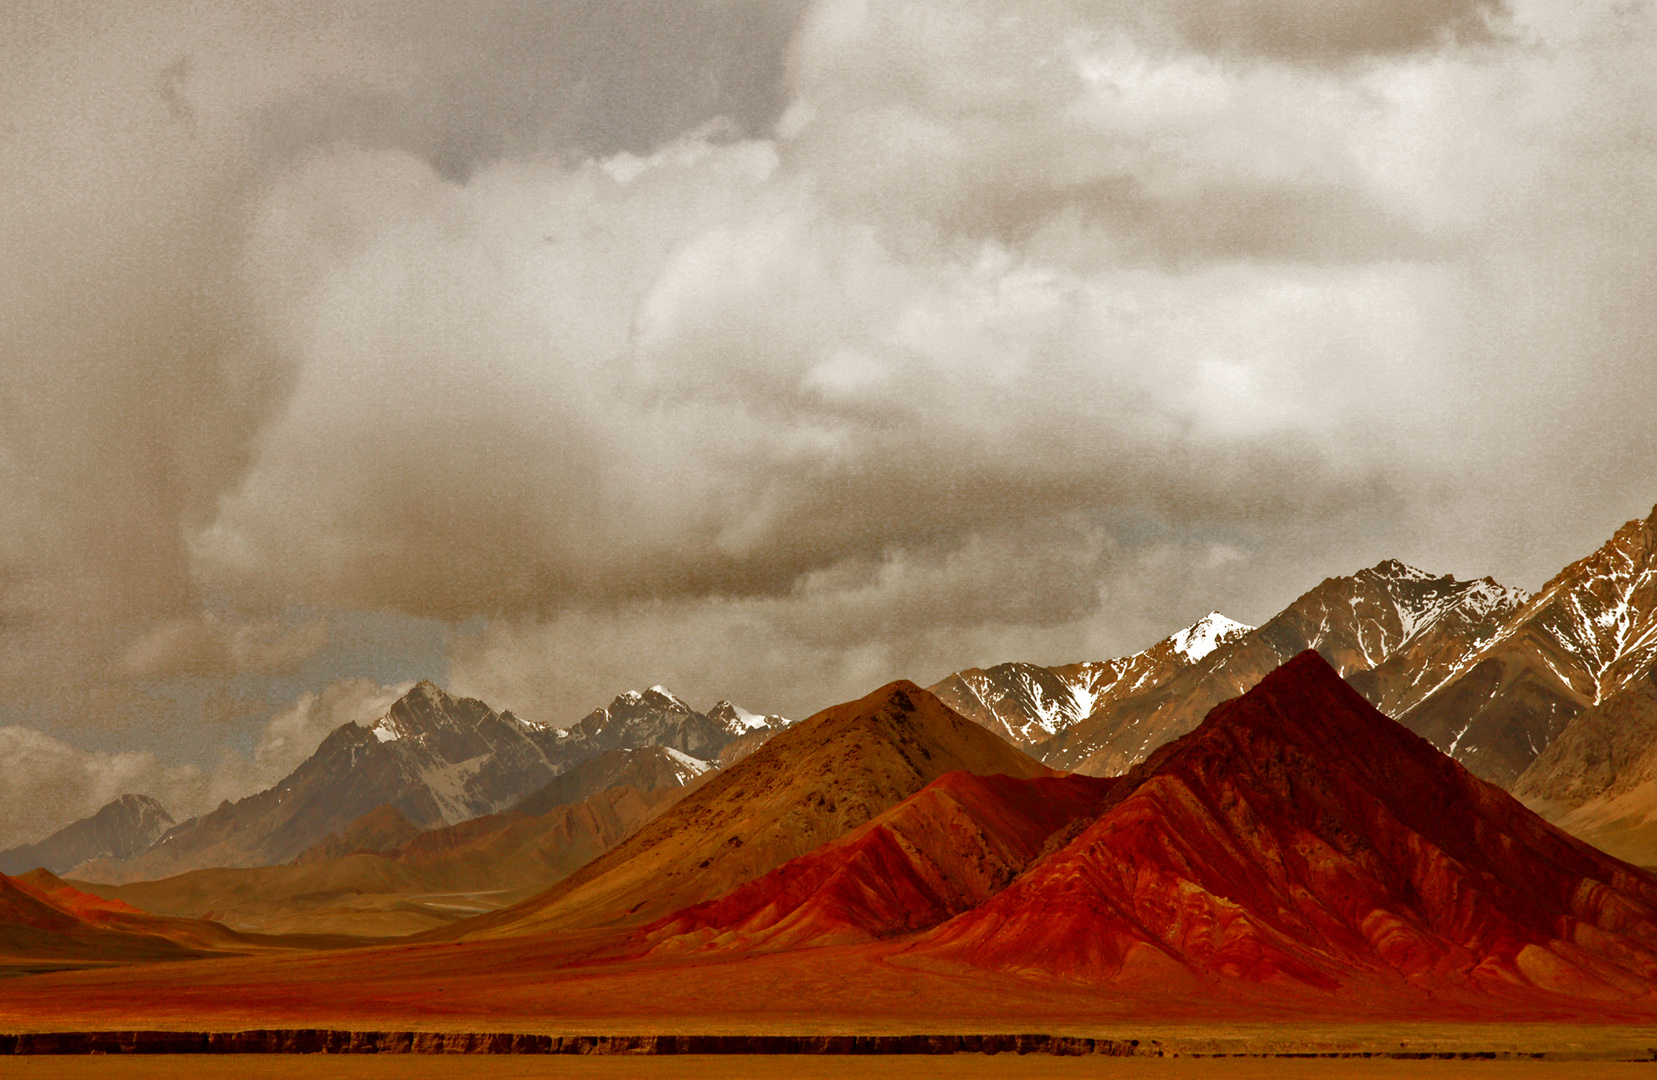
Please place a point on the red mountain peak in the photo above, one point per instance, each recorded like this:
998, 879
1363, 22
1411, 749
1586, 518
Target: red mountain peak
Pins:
945, 849
1300, 834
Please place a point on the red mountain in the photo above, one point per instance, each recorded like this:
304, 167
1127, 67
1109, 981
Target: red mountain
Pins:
947, 848
42, 918
810, 784
1299, 836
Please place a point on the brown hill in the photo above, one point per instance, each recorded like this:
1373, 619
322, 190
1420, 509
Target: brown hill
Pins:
947, 848
1300, 837
808, 785
381, 829
646, 768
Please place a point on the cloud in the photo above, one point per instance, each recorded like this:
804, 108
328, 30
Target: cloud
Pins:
45, 784
209, 645
1310, 31
294, 733
134, 142
908, 334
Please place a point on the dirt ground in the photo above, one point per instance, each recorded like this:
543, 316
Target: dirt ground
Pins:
748, 1067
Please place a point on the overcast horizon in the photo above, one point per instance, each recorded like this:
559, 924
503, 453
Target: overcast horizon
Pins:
773, 351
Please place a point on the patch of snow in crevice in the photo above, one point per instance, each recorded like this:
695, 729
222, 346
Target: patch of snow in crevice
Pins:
694, 766
749, 721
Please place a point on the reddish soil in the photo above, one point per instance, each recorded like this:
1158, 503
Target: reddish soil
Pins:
942, 851
1301, 838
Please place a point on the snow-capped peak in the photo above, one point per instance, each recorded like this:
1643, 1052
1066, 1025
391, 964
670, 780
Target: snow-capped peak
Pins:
1207, 634
750, 721
661, 691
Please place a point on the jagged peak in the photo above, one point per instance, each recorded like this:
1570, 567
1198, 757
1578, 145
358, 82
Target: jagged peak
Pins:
425, 688
654, 695
1398, 570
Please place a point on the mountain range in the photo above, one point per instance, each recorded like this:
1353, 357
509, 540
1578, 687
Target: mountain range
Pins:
435, 759
810, 784
1299, 835
1488, 673
1298, 855
384, 876
1230, 818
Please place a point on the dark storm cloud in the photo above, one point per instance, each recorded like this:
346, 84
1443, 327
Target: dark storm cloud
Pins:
569, 78
1324, 31
138, 370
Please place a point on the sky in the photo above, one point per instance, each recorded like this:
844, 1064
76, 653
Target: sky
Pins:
773, 350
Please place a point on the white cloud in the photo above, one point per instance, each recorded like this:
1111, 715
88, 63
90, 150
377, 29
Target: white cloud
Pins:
45, 783
1315, 286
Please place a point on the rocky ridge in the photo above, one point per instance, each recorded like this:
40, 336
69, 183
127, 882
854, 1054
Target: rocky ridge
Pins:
436, 760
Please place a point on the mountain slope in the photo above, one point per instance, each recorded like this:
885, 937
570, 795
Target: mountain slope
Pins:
1028, 704
434, 878
813, 782
381, 829
947, 848
1358, 623
1590, 632
119, 830
1299, 836
1597, 780
435, 759
647, 768
44, 918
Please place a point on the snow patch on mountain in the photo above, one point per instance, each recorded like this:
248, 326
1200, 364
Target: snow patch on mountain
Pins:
687, 768
1205, 635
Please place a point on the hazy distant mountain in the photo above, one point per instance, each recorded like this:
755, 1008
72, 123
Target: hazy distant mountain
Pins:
121, 829
1028, 704
1358, 623
434, 758
1590, 633
430, 880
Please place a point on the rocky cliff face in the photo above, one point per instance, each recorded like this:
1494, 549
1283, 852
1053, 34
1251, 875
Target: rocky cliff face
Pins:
1598, 778
1028, 705
1588, 634
1359, 624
